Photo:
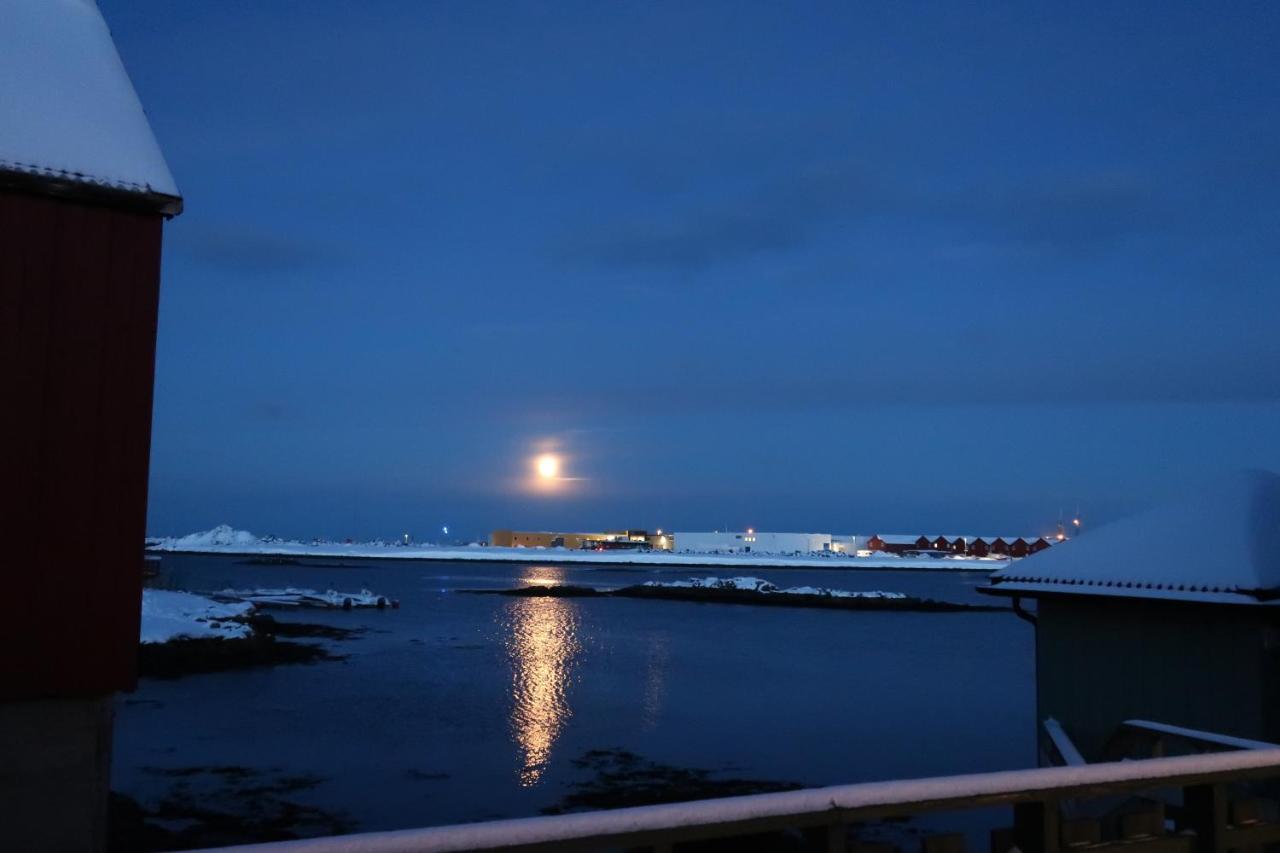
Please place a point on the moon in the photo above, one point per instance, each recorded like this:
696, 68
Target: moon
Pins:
547, 466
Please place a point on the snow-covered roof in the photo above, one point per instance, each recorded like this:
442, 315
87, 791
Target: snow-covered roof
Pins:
898, 538
911, 538
1218, 545
69, 117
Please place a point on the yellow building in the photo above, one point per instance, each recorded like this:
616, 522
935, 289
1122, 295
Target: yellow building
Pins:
576, 541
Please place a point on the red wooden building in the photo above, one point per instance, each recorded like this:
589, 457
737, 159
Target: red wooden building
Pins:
973, 546
897, 544
84, 191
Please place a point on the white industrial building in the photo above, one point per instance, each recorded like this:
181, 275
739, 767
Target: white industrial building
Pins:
758, 542
848, 543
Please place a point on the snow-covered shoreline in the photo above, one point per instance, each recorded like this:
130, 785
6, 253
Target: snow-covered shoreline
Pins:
225, 540
170, 615
760, 585
294, 598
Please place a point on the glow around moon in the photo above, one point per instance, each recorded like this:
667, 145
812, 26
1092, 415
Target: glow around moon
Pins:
549, 470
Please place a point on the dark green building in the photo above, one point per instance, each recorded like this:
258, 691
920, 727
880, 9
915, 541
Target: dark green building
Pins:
1170, 617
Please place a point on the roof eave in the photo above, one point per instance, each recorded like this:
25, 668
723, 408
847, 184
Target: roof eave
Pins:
1234, 599
79, 188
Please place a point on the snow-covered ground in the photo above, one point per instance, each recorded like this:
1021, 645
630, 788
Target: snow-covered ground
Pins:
222, 536
226, 540
761, 585
169, 615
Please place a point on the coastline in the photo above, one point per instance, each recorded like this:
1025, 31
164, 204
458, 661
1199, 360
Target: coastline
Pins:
559, 556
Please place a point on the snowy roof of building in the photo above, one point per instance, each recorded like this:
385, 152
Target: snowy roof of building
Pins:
1218, 545
70, 121
911, 538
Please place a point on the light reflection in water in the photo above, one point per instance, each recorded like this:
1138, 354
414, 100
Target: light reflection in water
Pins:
655, 682
542, 575
543, 647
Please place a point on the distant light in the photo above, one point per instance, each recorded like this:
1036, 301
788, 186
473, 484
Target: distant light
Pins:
548, 466
1076, 522
659, 531
445, 529
751, 531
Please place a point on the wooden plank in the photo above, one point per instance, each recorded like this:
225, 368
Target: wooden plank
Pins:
1062, 743
947, 842
1081, 832
1197, 735
1251, 836
1165, 844
1148, 823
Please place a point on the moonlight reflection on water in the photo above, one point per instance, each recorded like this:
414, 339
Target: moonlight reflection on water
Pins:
543, 648
457, 700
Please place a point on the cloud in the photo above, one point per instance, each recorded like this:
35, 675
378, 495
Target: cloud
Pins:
776, 216
1069, 214
271, 411
242, 249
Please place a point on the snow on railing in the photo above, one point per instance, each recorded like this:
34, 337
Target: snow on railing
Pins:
1197, 735
1062, 743
832, 807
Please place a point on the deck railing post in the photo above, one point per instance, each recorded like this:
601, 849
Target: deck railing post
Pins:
1036, 826
837, 838
1205, 807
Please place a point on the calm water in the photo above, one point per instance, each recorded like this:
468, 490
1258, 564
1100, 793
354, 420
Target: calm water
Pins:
460, 707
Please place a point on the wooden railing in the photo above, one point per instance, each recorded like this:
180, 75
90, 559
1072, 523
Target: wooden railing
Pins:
1063, 750
1156, 739
1206, 818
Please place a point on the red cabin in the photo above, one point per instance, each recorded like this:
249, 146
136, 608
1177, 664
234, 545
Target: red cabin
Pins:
894, 544
1038, 544
84, 191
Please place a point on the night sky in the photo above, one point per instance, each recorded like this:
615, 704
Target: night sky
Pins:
849, 267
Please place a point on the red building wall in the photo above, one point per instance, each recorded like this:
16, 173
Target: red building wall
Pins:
80, 290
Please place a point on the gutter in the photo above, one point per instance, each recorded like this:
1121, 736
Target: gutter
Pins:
1024, 615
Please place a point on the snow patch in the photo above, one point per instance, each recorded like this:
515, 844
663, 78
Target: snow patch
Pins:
750, 584
293, 597
168, 615
222, 536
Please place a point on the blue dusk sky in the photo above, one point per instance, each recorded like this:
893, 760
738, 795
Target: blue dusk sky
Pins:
849, 267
